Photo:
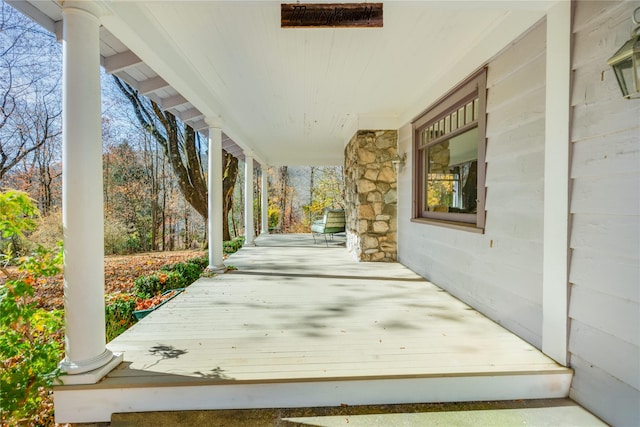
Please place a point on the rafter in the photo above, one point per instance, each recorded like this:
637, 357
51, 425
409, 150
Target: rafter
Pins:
190, 114
173, 101
145, 87
120, 61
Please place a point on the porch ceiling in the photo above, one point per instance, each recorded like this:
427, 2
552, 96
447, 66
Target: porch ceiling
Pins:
296, 96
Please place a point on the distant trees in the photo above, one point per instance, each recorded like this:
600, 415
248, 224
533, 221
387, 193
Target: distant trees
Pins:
30, 105
326, 190
155, 186
184, 149
298, 194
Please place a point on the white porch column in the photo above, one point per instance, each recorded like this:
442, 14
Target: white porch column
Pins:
249, 233
265, 199
215, 219
82, 210
555, 261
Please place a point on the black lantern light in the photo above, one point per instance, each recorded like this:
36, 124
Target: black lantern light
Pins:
626, 62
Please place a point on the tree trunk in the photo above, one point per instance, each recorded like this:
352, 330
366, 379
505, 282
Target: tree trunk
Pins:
182, 149
228, 184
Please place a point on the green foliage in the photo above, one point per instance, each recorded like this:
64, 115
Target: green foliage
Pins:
155, 284
274, 216
202, 261
328, 192
232, 246
30, 338
119, 316
172, 276
17, 216
17, 213
189, 271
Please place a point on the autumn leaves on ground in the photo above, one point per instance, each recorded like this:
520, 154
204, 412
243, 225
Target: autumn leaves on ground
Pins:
120, 273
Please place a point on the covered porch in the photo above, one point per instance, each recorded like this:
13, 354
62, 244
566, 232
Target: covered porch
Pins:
300, 325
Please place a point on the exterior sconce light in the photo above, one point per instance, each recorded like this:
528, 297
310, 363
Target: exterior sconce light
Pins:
626, 62
399, 161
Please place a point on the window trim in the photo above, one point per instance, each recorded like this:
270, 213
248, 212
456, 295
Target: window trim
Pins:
475, 84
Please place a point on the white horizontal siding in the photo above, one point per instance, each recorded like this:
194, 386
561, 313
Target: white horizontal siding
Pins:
615, 401
603, 189
499, 272
612, 235
604, 271
615, 316
616, 276
609, 154
589, 342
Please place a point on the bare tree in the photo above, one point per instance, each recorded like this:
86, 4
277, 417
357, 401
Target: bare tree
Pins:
30, 95
184, 150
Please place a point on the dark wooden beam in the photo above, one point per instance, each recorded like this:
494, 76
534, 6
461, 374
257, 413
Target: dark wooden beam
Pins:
341, 15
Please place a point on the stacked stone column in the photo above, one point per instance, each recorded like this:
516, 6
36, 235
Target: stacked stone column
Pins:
371, 195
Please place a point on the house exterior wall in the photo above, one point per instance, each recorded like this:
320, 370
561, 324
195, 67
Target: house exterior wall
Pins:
604, 272
498, 272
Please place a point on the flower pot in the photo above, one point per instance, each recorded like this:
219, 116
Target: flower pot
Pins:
141, 314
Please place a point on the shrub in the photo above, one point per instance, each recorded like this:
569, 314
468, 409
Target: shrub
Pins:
119, 314
30, 338
201, 261
190, 271
232, 246
149, 286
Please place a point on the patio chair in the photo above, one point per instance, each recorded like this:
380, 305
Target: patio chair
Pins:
333, 221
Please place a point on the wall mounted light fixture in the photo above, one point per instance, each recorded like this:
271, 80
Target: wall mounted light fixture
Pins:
399, 161
626, 62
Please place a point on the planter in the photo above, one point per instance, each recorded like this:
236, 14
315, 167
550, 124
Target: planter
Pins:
141, 314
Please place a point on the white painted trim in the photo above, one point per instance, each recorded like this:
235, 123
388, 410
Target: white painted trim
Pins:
190, 114
82, 405
199, 125
249, 231
264, 202
556, 184
145, 87
92, 377
215, 196
120, 61
173, 101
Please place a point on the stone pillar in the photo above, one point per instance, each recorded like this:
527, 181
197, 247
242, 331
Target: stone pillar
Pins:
86, 357
265, 199
249, 232
371, 195
214, 222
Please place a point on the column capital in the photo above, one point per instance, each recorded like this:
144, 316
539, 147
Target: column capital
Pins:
248, 153
95, 8
214, 122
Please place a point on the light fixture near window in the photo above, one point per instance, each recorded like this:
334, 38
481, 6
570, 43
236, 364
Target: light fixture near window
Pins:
626, 62
399, 161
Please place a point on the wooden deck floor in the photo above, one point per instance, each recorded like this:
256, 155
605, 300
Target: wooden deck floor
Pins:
295, 312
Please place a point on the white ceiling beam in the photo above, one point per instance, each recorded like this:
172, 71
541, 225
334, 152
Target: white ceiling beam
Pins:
120, 61
173, 101
145, 87
192, 114
34, 13
198, 125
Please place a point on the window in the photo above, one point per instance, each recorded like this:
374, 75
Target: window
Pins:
449, 152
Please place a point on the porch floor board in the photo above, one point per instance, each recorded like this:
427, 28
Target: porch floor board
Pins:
295, 312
